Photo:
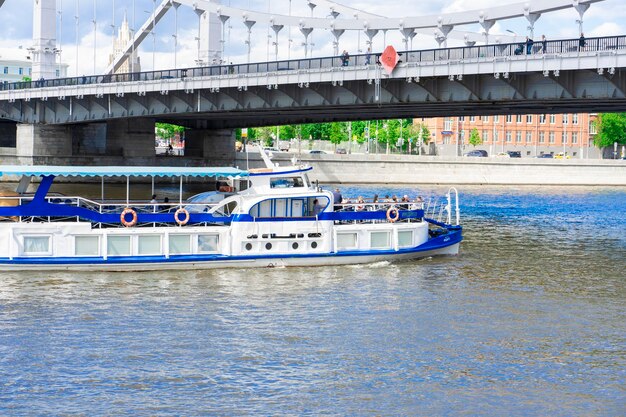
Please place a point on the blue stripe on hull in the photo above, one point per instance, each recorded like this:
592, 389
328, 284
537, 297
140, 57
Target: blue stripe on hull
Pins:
434, 244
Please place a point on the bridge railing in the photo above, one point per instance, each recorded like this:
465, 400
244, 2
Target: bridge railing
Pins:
492, 51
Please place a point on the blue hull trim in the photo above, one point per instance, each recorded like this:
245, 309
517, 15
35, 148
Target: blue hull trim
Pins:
439, 242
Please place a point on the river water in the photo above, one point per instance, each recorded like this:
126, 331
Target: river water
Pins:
530, 319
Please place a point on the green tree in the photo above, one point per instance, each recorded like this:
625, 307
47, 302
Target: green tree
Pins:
611, 127
475, 138
338, 132
167, 131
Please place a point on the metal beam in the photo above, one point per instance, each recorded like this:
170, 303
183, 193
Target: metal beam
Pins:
140, 35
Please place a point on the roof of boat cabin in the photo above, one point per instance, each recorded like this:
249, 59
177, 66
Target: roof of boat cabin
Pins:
123, 171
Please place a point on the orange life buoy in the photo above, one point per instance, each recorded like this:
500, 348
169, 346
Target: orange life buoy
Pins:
395, 216
125, 222
185, 219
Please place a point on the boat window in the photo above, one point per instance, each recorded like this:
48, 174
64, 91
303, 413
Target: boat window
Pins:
149, 245
286, 182
208, 243
180, 244
380, 240
87, 245
225, 209
289, 207
118, 245
346, 241
405, 238
37, 245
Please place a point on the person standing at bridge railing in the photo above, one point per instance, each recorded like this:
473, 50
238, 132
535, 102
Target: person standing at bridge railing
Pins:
345, 58
581, 41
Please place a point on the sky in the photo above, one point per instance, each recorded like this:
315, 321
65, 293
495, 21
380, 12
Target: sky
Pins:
602, 19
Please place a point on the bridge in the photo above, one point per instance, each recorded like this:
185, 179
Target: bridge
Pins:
63, 116
556, 77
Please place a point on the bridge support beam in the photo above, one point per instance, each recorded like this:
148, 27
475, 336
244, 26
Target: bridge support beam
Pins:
36, 141
216, 145
130, 137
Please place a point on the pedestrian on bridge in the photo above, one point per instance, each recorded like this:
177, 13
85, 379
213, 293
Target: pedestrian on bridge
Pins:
529, 45
345, 58
581, 41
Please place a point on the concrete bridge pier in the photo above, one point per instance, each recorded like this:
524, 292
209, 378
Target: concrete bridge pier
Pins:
36, 142
130, 138
215, 145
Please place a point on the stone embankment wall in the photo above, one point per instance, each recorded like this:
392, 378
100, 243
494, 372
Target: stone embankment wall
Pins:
400, 169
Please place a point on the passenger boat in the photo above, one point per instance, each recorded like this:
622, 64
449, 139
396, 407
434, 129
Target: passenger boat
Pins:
266, 217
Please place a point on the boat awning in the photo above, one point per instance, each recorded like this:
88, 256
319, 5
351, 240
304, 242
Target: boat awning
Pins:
122, 171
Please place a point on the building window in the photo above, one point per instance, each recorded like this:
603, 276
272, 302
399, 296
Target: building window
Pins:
472, 119
485, 136
508, 137
518, 118
592, 128
518, 137
542, 119
565, 119
20, 71
58, 74
461, 118
542, 137
6, 70
529, 137
529, 118
551, 137
496, 119
552, 119
30, 71
447, 125
509, 118
485, 119
574, 138
564, 137
575, 118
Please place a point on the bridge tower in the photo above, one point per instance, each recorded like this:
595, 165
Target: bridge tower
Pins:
210, 52
44, 48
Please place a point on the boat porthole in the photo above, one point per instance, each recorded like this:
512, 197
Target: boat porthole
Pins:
314, 245
294, 245
268, 246
248, 246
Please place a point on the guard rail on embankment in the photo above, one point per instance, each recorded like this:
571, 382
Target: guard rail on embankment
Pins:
405, 169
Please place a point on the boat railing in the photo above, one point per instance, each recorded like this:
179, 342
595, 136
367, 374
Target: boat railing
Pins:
102, 207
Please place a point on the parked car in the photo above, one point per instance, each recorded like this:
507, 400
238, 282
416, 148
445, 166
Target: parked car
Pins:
341, 151
561, 155
317, 152
514, 154
478, 153
544, 155
503, 155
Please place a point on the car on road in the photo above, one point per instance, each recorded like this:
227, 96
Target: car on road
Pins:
317, 152
561, 155
341, 151
477, 153
503, 155
514, 154
545, 155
